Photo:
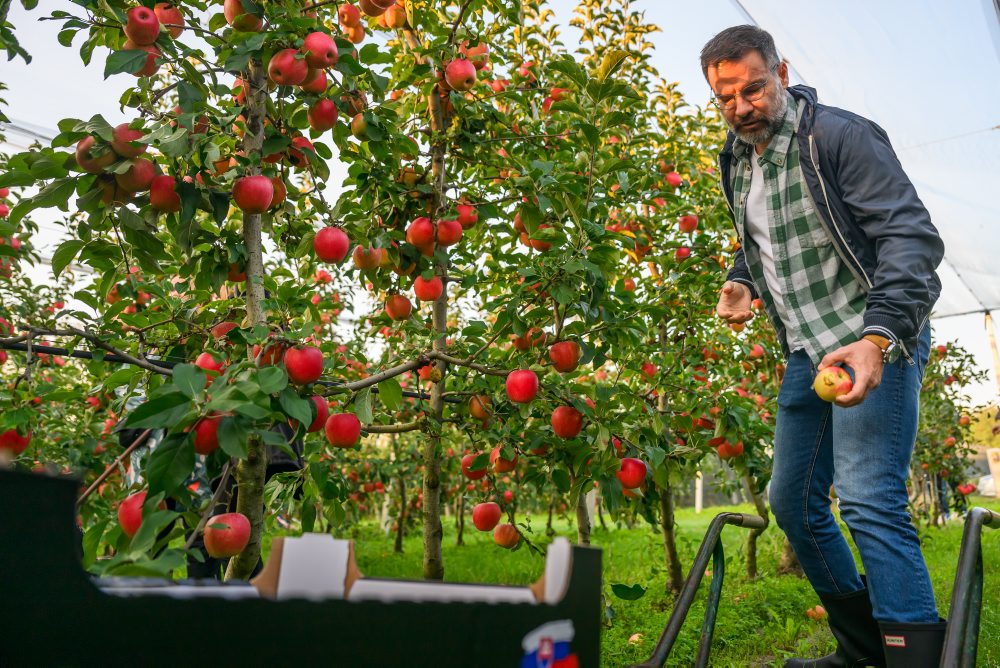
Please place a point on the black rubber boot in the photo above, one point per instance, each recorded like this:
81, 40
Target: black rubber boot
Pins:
912, 645
859, 642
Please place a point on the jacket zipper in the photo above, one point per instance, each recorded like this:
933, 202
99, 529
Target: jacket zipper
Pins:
847, 249
833, 220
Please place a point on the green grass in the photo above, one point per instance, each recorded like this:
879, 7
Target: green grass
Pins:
759, 623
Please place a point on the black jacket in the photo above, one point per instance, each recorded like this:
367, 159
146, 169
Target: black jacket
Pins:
870, 210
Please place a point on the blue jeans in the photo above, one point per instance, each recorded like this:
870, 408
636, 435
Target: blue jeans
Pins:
864, 451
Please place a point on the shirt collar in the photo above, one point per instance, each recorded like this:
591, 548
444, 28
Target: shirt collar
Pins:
777, 149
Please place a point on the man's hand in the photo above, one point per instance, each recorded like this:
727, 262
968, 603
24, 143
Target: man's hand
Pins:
865, 358
734, 303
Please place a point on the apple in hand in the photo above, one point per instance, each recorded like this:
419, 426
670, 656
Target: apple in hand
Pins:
304, 364
486, 516
227, 534
522, 386
343, 430
832, 382
632, 472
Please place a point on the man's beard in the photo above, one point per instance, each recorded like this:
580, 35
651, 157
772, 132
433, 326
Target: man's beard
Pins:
770, 126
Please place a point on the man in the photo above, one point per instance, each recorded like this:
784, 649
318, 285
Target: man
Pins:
842, 252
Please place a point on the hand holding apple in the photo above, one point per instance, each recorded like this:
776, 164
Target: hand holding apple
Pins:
862, 357
734, 303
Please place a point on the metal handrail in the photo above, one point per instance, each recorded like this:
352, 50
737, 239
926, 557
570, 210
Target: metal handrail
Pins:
962, 635
709, 545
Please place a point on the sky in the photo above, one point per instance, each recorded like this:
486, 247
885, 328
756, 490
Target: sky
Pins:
56, 85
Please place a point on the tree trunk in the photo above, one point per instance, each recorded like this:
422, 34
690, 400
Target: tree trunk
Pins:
460, 519
761, 507
675, 578
600, 513
251, 471
582, 519
789, 563
401, 520
549, 531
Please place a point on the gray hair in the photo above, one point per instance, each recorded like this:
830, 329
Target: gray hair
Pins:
734, 43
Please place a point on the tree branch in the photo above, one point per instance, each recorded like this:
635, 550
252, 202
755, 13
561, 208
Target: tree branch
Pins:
113, 466
392, 428
97, 341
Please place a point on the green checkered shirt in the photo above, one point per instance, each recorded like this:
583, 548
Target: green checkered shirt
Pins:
823, 303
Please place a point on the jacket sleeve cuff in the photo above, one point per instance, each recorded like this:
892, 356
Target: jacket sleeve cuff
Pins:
749, 284
883, 326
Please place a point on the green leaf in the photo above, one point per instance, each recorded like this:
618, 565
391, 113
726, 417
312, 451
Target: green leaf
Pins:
65, 254
561, 480
125, 61
363, 405
162, 411
170, 463
233, 437
189, 379
296, 407
628, 592
612, 61
272, 379
56, 193
390, 392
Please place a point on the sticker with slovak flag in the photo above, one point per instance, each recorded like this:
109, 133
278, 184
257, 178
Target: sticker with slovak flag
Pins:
548, 646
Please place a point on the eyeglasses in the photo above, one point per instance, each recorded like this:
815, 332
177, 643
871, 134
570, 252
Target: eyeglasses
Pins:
751, 93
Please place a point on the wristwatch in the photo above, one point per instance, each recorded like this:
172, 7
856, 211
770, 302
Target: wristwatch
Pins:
890, 349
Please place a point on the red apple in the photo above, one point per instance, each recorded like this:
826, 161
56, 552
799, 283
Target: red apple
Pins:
460, 74
322, 115
226, 535
13, 441
223, 328
320, 49
349, 15
756, 352
632, 472
142, 26
343, 430
522, 386
322, 414
427, 290
122, 138
479, 407
398, 307
688, 223
832, 382
478, 55
130, 513
253, 194
331, 244
280, 192
163, 194
207, 362
486, 516
467, 216
501, 465
674, 179
566, 421
449, 232
239, 18
315, 82
285, 69
368, 258
472, 474
682, 253
420, 232
86, 159
206, 434
508, 496
506, 536
565, 355
168, 14
304, 364
138, 177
